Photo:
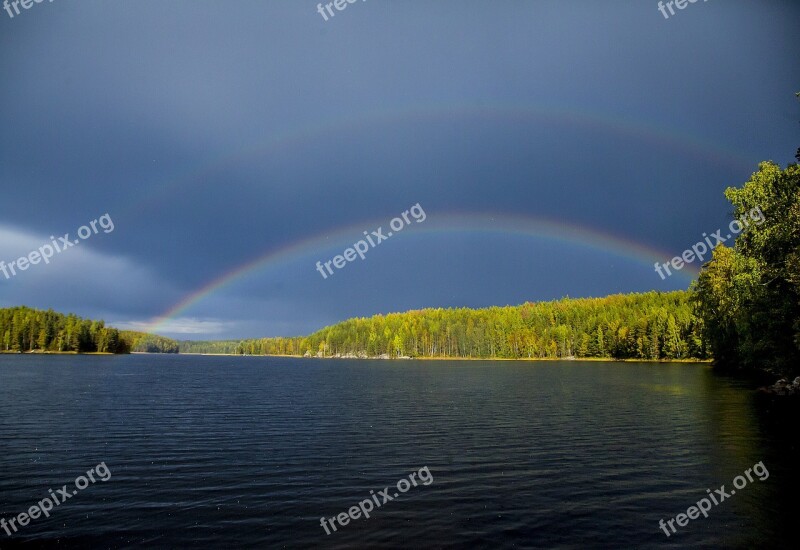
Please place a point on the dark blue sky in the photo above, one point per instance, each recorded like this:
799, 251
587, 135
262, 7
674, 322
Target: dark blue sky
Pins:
557, 148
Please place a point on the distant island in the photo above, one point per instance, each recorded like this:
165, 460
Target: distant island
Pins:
743, 312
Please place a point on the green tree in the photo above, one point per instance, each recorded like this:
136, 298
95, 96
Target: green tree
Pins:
748, 297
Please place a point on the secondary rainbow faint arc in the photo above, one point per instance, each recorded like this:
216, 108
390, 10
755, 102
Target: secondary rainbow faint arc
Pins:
493, 111
538, 227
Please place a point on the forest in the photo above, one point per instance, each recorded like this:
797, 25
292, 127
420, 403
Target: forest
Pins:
653, 325
639, 326
149, 343
24, 329
214, 347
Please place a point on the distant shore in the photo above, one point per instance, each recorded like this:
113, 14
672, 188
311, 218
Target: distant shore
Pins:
40, 352
577, 359
531, 359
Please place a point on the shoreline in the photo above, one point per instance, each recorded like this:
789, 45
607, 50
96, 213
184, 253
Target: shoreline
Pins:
38, 352
438, 358
530, 359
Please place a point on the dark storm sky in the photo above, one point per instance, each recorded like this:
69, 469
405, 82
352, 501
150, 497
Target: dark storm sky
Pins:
214, 133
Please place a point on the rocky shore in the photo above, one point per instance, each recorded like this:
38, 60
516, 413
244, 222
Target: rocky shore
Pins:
783, 387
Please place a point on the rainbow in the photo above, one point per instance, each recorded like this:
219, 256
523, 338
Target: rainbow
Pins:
557, 231
318, 246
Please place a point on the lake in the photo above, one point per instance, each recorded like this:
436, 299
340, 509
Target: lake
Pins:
253, 451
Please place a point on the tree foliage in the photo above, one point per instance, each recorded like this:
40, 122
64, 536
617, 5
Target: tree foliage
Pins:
24, 329
217, 347
748, 296
150, 343
653, 325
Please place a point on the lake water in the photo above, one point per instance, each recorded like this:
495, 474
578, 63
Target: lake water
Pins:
252, 452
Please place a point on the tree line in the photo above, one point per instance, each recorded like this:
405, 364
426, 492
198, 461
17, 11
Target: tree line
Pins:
150, 343
214, 347
652, 325
24, 329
